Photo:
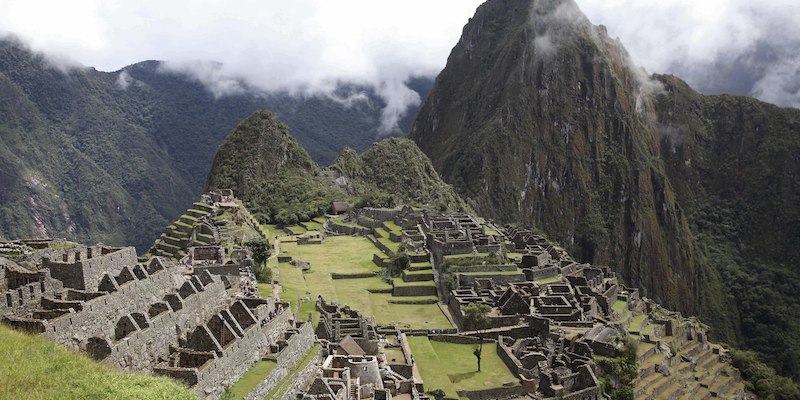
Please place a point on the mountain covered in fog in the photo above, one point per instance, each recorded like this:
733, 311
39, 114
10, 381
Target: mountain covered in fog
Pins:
115, 156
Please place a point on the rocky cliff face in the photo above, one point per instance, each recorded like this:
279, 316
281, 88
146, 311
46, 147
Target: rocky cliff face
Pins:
733, 163
540, 118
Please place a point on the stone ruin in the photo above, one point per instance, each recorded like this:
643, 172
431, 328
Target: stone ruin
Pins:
136, 316
192, 320
355, 365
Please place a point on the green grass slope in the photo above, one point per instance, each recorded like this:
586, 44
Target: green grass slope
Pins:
32, 368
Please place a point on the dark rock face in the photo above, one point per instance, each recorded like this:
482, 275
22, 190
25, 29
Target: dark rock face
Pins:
540, 118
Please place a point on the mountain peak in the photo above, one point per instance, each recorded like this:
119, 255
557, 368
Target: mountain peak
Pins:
259, 146
540, 117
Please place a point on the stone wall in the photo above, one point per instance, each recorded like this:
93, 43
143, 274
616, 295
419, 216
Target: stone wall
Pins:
494, 393
414, 291
84, 268
99, 316
345, 230
482, 268
297, 347
368, 222
381, 246
238, 356
459, 339
498, 279
143, 348
543, 273
304, 377
380, 214
378, 261
26, 298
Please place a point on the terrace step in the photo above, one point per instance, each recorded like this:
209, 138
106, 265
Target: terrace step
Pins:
420, 267
418, 276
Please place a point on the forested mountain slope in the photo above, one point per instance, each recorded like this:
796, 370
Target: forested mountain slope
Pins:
540, 118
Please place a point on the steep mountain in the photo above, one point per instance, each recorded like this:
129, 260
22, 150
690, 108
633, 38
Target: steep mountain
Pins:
540, 118
398, 168
270, 171
280, 183
733, 162
138, 141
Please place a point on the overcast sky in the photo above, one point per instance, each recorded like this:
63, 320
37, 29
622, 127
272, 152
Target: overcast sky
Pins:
745, 46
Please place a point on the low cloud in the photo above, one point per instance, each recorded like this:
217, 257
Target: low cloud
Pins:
302, 47
556, 23
307, 47
124, 80
747, 47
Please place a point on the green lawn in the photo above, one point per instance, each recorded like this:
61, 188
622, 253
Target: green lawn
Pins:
296, 229
636, 323
388, 243
341, 221
619, 306
348, 255
33, 368
382, 232
399, 282
457, 256
451, 366
394, 355
313, 225
393, 227
250, 380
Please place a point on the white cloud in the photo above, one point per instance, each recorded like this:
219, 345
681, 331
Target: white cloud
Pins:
306, 46
301, 46
740, 46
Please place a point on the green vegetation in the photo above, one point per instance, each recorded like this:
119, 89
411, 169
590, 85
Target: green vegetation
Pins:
619, 306
713, 230
395, 171
623, 371
762, 380
261, 250
284, 186
123, 162
33, 368
250, 380
348, 255
393, 227
450, 366
636, 323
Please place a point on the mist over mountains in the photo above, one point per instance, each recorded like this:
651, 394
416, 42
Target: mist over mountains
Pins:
149, 133
739, 47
